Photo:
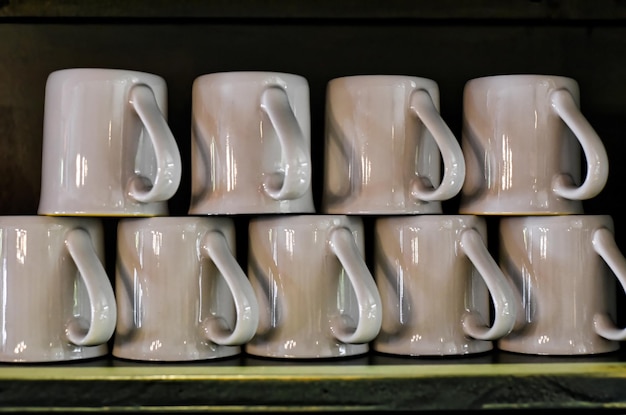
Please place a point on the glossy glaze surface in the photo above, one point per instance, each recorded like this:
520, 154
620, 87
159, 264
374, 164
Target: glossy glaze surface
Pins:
522, 137
433, 286
317, 298
251, 144
180, 297
48, 310
384, 145
564, 282
107, 148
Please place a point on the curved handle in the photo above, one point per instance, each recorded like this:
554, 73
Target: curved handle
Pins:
215, 247
454, 162
103, 312
593, 148
604, 244
294, 176
168, 160
368, 298
500, 290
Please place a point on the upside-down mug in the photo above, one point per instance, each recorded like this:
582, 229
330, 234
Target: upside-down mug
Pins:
436, 277
522, 137
316, 295
251, 144
107, 147
564, 269
180, 290
385, 141
56, 299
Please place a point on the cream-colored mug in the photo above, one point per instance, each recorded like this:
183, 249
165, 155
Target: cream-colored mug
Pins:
316, 295
180, 291
522, 138
107, 147
436, 276
564, 269
56, 299
384, 144
251, 144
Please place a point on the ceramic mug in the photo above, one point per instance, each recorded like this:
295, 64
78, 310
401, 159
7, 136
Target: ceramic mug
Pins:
180, 291
435, 276
317, 297
107, 147
251, 144
56, 299
564, 269
521, 138
385, 141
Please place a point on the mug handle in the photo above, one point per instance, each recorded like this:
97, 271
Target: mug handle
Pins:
293, 178
593, 148
500, 290
215, 247
103, 309
168, 160
454, 162
370, 318
604, 244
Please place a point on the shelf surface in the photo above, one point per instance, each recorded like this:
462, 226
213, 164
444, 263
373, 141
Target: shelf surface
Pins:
491, 381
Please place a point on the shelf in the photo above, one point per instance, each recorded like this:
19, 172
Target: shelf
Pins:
441, 10
492, 381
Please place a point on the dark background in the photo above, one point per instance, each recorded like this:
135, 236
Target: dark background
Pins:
449, 41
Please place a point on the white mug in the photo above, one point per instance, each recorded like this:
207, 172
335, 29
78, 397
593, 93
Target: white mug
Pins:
435, 276
521, 138
56, 299
251, 144
384, 143
107, 147
564, 269
317, 297
180, 291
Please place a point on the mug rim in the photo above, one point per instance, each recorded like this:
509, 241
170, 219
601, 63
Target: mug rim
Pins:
524, 77
244, 74
110, 72
384, 77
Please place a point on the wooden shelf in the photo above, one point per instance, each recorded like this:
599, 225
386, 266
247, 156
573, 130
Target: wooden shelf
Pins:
492, 381
441, 10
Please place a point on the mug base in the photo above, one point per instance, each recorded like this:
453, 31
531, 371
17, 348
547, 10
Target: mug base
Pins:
475, 347
335, 353
84, 353
176, 356
559, 350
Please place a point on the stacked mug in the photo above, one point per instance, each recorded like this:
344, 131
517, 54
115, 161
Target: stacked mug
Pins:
251, 157
58, 299
551, 290
385, 143
179, 292
522, 140
309, 291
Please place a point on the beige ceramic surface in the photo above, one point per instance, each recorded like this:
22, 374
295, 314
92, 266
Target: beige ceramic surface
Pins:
251, 144
384, 144
435, 276
522, 138
107, 147
316, 295
56, 300
564, 269
181, 293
